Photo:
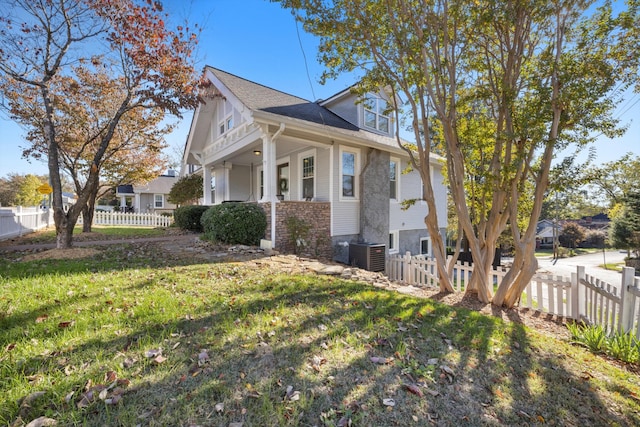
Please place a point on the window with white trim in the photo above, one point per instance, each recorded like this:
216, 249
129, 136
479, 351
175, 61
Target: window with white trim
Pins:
226, 125
261, 182
158, 201
394, 166
425, 246
394, 241
307, 168
348, 167
374, 117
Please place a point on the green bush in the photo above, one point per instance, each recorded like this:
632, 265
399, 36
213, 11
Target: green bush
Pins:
235, 223
188, 217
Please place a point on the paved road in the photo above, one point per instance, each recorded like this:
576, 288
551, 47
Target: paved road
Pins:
591, 262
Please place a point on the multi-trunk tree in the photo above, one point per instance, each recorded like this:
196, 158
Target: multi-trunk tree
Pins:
41, 41
504, 85
84, 103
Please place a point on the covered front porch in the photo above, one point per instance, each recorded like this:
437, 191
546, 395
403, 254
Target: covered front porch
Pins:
276, 167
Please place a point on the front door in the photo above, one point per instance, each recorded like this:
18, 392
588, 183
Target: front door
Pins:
283, 181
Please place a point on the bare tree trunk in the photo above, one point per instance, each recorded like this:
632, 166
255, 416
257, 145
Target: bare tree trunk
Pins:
87, 217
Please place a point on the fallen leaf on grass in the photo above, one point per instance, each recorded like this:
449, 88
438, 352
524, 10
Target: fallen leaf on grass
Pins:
41, 318
66, 324
160, 359
292, 395
203, 358
113, 400
317, 361
344, 422
42, 422
219, 407
389, 402
10, 347
152, 353
110, 376
414, 389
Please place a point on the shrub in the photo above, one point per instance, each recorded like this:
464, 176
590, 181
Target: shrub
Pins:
298, 233
572, 235
622, 346
235, 223
188, 217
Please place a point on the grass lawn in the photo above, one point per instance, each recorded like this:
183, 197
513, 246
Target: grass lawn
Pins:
133, 336
98, 233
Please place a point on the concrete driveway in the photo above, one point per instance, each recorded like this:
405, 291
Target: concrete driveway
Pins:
591, 262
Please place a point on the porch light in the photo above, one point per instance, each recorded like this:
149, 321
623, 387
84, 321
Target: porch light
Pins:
257, 152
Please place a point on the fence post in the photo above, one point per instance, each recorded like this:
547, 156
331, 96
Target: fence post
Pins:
19, 216
580, 296
627, 300
575, 295
406, 276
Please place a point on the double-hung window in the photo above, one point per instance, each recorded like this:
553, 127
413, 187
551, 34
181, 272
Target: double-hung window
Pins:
374, 114
348, 174
308, 175
158, 201
393, 179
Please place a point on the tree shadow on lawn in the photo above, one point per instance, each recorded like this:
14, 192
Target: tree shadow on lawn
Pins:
242, 342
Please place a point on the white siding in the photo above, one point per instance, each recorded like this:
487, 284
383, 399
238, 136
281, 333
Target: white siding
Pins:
410, 188
345, 213
323, 174
346, 109
440, 190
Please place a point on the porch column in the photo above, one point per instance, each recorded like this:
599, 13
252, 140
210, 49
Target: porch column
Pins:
268, 168
206, 185
123, 201
136, 203
269, 171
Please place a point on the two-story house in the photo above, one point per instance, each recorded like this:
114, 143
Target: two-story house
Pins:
334, 163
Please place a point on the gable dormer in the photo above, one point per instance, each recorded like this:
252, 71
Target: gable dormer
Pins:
370, 114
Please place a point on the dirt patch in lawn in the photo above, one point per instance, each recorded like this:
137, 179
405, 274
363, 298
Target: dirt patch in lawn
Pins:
72, 253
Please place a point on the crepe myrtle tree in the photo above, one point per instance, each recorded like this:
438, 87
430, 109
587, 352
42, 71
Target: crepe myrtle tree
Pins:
508, 85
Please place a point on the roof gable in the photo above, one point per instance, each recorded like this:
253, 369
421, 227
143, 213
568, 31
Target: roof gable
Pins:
262, 98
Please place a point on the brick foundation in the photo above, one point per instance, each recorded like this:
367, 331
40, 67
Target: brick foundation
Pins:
316, 214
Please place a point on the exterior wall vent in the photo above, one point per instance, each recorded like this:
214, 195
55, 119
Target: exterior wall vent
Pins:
368, 256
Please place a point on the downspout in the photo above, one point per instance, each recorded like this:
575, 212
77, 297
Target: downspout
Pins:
273, 198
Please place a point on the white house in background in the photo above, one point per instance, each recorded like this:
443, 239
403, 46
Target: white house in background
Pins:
149, 197
333, 163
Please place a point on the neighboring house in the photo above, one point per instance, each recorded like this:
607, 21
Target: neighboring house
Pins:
334, 163
150, 197
544, 233
600, 222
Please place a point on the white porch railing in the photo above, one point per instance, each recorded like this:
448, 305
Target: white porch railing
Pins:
130, 219
582, 297
17, 221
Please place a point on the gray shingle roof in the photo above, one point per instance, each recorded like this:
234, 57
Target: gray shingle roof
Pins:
262, 98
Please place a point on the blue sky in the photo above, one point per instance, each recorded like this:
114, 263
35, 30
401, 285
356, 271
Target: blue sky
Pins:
260, 41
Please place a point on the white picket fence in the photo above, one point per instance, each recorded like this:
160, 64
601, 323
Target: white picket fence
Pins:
17, 221
130, 219
582, 297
